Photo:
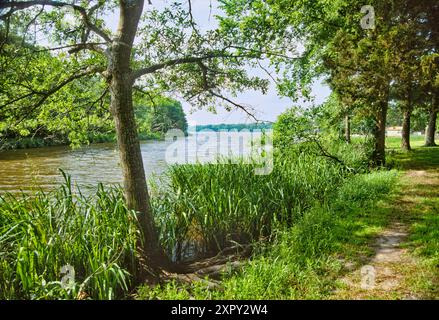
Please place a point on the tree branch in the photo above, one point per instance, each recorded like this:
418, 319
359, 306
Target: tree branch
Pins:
151, 69
191, 19
208, 88
20, 5
87, 46
326, 154
173, 62
265, 52
237, 105
93, 46
46, 94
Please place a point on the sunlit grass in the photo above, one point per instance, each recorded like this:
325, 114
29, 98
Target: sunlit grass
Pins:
40, 234
395, 142
303, 261
419, 157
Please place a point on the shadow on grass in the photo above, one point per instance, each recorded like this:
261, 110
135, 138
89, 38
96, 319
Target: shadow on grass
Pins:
424, 233
423, 158
415, 203
420, 209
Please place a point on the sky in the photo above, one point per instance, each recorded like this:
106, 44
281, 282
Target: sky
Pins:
266, 107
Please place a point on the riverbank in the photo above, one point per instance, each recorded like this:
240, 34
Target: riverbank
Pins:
307, 230
211, 206
7, 144
377, 239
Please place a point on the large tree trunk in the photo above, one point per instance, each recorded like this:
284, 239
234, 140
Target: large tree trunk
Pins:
134, 180
431, 129
121, 87
379, 154
406, 126
347, 131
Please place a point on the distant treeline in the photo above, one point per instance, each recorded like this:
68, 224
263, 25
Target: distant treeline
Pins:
236, 126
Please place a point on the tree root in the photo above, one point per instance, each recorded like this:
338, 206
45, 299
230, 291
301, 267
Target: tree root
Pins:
208, 271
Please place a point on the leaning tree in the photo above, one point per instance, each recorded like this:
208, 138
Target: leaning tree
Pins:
159, 50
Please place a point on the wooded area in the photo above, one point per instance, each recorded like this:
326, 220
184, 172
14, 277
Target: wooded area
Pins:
68, 76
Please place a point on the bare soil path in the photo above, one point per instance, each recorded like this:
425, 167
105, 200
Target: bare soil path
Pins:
394, 271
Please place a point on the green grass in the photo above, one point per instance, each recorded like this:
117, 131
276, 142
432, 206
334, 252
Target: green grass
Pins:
304, 260
41, 234
421, 192
214, 206
395, 142
419, 158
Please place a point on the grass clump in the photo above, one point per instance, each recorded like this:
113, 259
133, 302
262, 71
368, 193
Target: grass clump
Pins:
39, 235
304, 260
362, 189
217, 205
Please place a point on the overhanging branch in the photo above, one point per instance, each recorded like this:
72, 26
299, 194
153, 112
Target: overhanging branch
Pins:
44, 95
21, 5
237, 105
173, 62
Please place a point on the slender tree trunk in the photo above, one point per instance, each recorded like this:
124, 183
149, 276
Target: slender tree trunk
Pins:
347, 131
431, 129
134, 180
379, 154
406, 125
121, 87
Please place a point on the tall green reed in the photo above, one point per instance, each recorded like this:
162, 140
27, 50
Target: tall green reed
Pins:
212, 206
40, 234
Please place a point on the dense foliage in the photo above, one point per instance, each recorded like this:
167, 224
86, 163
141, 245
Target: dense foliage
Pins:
78, 113
370, 56
87, 83
39, 235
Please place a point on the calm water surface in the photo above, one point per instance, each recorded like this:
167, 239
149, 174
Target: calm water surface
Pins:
31, 169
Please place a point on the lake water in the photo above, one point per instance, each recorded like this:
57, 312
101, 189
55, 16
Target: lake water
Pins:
31, 169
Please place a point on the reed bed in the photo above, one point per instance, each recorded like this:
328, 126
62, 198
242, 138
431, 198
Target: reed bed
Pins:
43, 235
207, 207
201, 209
